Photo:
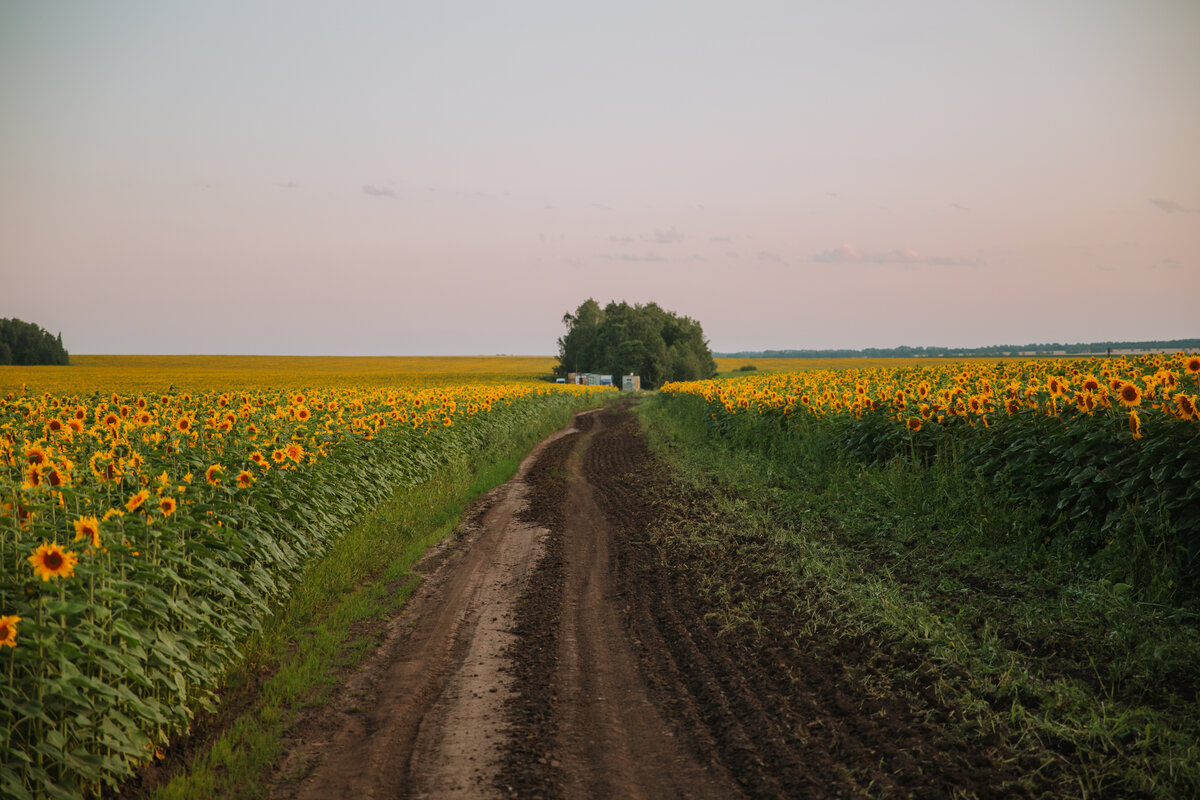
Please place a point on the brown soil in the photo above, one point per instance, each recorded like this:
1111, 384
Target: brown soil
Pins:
559, 647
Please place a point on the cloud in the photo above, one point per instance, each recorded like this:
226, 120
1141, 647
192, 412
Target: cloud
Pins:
664, 237
849, 254
767, 255
959, 206
379, 191
1171, 207
698, 257
721, 239
622, 239
288, 185
649, 257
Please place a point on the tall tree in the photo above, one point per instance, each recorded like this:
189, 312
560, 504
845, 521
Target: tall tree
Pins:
644, 340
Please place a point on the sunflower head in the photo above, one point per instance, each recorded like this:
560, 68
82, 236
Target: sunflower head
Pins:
33, 477
213, 474
1193, 365
167, 506
137, 500
1185, 406
37, 455
1129, 394
8, 630
51, 561
88, 528
1135, 424
244, 479
913, 424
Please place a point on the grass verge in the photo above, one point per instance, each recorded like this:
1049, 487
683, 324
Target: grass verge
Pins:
293, 662
1093, 690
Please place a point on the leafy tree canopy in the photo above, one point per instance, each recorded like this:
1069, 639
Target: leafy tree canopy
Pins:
26, 343
645, 340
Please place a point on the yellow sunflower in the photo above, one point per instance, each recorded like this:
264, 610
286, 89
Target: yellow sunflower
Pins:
212, 474
244, 479
167, 506
88, 528
33, 477
913, 424
37, 455
8, 630
1129, 395
136, 501
51, 561
1135, 424
1185, 406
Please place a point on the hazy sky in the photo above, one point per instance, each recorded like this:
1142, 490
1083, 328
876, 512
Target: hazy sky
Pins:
450, 178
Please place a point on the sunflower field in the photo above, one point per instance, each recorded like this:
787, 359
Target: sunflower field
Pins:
144, 537
1101, 450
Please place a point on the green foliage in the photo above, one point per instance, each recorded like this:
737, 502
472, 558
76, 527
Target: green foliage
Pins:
644, 340
1023, 618
24, 343
112, 663
1130, 505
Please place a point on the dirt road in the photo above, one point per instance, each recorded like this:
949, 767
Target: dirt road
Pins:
552, 652
511, 670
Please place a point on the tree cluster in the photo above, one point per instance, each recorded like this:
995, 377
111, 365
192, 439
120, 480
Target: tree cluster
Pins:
1053, 348
644, 340
25, 343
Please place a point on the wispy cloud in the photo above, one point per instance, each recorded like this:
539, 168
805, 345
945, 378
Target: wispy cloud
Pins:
669, 236
959, 206
767, 255
379, 191
849, 254
664, 237
288, 185
1171, 207
633, 257
721, 239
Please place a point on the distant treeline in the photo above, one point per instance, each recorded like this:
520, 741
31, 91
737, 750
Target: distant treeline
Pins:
24, 343
1052, 349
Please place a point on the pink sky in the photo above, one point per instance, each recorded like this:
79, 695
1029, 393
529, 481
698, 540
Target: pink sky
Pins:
299, 178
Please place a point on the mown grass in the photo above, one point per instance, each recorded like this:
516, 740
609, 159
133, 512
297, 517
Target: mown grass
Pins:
366, 575
1077, 672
